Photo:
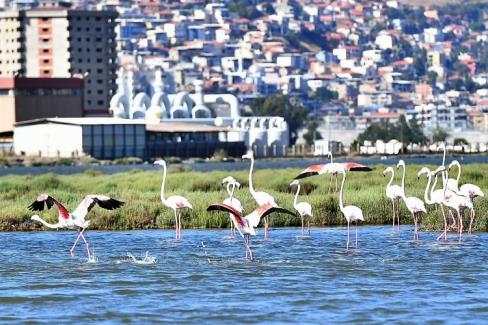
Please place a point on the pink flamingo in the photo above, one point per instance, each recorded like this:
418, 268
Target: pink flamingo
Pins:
457, 202
261, 198
303, 208
436, 197
394, 193
351, 213
415, 205
331, 168
470, 191
76, 219
246, 225
175, 202
229, 181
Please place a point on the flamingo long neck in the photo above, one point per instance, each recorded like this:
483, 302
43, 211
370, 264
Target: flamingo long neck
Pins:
391, 178
251, 187
403, 179
459, 172
433, 185
444, 178
341, 204
232, 191
49, 225
163, 184
296, 196
426, 194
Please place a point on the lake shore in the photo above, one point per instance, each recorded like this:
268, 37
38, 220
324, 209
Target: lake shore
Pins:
144, 210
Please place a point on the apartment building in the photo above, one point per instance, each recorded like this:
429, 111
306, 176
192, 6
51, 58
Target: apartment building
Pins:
58, 42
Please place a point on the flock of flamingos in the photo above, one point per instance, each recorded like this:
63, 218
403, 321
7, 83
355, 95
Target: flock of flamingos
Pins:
452, 197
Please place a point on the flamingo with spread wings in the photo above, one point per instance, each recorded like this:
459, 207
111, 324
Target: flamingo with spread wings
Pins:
75, 219
246, 225
331, 168
175, 202
261, 198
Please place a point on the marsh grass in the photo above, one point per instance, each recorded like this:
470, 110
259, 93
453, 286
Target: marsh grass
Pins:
143, 210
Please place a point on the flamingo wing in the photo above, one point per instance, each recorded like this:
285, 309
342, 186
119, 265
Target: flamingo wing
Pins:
49, 201
312, 171
90, 201
264, 210
227, 208
355, 167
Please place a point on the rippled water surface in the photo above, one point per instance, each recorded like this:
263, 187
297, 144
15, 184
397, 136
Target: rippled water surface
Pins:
292, 279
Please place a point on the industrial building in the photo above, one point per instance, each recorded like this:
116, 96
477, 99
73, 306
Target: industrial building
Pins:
266, 135
59, 42
23, 99
112, 138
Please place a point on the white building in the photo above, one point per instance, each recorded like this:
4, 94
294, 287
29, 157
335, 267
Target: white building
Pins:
104, 138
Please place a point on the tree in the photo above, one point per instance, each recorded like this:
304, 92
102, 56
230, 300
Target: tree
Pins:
460, 141
440, 135
312, 134
325, 95
432, 77
281, 105
402, 130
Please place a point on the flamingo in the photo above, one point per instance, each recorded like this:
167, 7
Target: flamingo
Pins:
303, 208
435, 198
261, 198
75, 219
470, 191
394, 193
229, 181
415, 205
350, 212
175, 202
331, 168
246, 225
456, 202
334, 172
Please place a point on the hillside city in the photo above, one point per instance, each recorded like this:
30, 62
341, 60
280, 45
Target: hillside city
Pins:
325, 66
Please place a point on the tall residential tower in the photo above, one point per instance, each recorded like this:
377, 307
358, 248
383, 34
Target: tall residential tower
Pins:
60, 42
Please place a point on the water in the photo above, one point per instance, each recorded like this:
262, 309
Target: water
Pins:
241, 165
292, 279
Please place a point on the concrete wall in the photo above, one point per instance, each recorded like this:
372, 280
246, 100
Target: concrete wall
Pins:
7, 113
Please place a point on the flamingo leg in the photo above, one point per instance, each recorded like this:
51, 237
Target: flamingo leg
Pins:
394, 214
176, 225
266, 226
302, 224
179, 225
415, 229
347, 245
471, 221
356, 234
398, 214
460, 226
86, 244
445, 224
74, 245
308, 226
335, 175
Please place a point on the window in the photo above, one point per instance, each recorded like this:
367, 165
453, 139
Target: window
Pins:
99, 81
45, 61
46, 71
98, 39
45, 50
45, 29
100, 102
100, 92
88, 39
99, 49
99, 70
99, 60
89, 102
80, 61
